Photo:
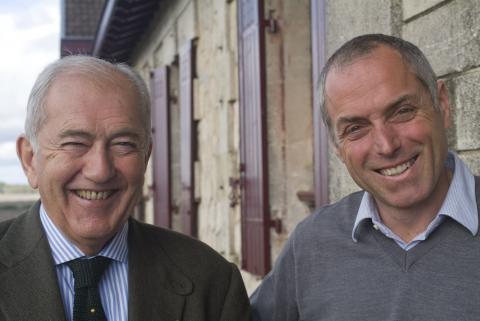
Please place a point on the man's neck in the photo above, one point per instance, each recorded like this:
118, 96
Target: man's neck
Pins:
409, 222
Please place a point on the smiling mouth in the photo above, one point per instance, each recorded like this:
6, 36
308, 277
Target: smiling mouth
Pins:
93, 195
397, 170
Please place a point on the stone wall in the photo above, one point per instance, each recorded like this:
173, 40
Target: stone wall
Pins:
289, 114
213, 24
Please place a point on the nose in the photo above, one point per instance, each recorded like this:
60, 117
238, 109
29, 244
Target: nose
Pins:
386, 141
99, 166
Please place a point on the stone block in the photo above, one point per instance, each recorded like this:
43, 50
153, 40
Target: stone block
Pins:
451, 132
449, 36
340, 182
413, 7
472, 159
165, 53
467, 113
350, 18
186, 24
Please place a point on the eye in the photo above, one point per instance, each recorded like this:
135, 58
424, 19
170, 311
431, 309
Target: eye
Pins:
404, 113
352, 129
73, 145
124, 147
353, 132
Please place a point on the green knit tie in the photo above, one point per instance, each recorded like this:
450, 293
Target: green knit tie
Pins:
87, 273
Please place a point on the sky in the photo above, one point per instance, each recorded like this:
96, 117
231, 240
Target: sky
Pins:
30, 39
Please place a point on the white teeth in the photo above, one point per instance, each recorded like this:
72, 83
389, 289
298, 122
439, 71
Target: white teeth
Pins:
92, 195
398, 169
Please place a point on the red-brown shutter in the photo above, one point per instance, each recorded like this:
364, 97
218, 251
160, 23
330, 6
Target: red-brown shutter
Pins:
320, 132
188, 209
161, 147
253, 154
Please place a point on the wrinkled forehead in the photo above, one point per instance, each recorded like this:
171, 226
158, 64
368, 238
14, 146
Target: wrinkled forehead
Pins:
81, 90
102, 79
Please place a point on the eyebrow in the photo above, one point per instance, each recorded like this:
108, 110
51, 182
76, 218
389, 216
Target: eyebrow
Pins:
86, 135
125, 133
75, 133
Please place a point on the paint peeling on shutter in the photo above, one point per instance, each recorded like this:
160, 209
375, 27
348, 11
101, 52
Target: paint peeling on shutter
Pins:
320, 132
161, 147
188, 208
253, 153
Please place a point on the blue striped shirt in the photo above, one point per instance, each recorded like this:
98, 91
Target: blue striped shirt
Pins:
113, 286
460, 204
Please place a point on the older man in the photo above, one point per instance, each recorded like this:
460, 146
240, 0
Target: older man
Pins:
407, 247
76, 255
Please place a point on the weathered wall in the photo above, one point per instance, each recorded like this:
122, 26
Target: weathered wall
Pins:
216, 107
213, 26
289, 114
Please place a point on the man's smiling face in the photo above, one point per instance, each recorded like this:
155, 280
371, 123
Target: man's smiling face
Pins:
387, 131
90, 158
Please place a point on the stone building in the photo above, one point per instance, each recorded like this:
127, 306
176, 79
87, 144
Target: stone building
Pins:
240, 153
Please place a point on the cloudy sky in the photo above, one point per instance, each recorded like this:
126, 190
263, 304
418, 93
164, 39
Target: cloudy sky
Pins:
29, 36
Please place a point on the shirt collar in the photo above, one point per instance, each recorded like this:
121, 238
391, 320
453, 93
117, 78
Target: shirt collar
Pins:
63, 250
460, 204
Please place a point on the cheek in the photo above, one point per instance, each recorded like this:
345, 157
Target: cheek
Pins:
55, 173
353, 154
132, 170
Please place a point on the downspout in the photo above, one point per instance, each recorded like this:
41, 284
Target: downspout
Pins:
103, 27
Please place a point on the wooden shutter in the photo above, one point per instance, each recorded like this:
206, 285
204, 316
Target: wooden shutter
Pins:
161, 147
188, 209
320, 132
253, 154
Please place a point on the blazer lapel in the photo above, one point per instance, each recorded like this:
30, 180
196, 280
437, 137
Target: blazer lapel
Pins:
28, 281
156, 289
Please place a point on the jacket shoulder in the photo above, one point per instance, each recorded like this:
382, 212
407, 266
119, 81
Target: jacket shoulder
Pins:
184, 250
4, 226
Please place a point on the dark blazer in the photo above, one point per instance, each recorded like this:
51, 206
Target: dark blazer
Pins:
171, 276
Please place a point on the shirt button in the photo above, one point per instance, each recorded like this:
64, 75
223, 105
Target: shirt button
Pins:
375, 226
92, 311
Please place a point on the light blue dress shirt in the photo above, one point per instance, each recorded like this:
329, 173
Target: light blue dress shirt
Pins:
113, 286
460, 204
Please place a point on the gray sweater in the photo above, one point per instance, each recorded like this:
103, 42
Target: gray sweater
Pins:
322, 274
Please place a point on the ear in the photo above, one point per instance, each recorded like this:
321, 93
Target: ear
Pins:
26, 156
443, 103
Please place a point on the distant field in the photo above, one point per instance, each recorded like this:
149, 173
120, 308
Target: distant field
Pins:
15, 189
15, 199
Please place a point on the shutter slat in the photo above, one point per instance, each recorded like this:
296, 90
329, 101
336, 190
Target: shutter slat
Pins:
161, 149
320, 132
187, 202
253, 155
